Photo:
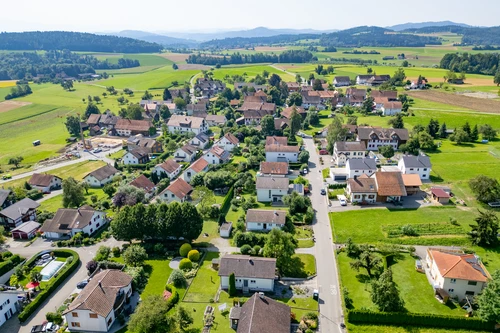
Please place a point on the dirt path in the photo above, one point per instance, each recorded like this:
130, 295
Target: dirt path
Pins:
472, 103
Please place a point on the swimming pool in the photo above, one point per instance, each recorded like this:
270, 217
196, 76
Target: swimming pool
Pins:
50, 269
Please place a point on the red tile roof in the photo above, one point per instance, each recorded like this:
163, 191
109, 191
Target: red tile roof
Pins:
144, 183
180, 188
459, 266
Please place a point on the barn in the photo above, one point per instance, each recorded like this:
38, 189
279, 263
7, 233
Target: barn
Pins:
26, 230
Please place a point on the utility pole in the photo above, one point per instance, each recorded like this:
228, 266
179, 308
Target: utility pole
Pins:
81, 132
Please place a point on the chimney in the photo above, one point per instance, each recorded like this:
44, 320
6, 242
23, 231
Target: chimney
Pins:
100, 284
261, 295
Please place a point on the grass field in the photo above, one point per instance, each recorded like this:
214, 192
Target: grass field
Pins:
159, 271
206, 283
54, 203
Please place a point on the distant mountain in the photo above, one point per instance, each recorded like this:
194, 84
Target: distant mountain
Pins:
156, 38
410, 25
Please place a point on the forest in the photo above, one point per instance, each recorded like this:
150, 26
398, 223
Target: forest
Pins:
74, 41
471, 36
480, 63
27, 65
290, 56
249, 42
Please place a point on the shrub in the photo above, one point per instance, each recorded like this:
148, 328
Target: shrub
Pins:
246, 249
177, 279
232, 285
194, 255
139, 277
184, 250
159, 248
175, 295
102, 253
408, 230
256, 250
7, 265
116, 252
185, 264
54, 317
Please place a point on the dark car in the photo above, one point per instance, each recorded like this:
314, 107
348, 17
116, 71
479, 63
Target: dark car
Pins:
323, 191
82, 284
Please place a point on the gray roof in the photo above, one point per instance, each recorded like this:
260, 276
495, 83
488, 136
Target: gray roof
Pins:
67, 219
365, 133
362, 164
262, 314
350, 145
342, 79
202, 137
266, 216
246, 266
4, 194
27, 227
103, 172
272, 183
420, 161
20, 208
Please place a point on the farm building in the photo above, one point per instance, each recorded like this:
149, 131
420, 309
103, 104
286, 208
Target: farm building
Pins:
26, 230
440, 195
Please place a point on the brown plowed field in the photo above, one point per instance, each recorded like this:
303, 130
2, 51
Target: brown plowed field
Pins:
193, 67
477, 104
11, 105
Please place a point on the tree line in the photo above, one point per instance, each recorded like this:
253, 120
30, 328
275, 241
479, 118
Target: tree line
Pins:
480, 63
249, 42
470, 35
290, 56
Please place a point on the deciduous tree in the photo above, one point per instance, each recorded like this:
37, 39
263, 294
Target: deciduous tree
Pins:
368, 261
459, 136
134, 112
489, 300
134, 255
16, 161
487, 132
485, 231
280, 245
267, 124
385, 293
91, 109
386, 151
485, 189
295, 98
152, 316
397, 121
72, 193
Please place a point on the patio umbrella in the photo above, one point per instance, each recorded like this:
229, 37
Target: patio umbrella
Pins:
32, 285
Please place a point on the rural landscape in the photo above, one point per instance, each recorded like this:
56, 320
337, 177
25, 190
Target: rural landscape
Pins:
260, 180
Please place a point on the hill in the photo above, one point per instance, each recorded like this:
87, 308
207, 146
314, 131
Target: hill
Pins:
74, 41
156, 38
411, 25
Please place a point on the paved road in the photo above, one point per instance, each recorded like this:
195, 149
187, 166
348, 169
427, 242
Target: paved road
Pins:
287, 72
330, 306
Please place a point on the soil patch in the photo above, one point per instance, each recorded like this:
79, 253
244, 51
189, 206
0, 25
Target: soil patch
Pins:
467, 102
11, 105
175, 57
184, 67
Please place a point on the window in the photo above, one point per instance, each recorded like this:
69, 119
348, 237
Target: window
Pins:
472, 283
423, 176
75, 324
469, 293
252, 281
356, 196
110, 321
74, 314
453, 280
411, 169
371, 196
451, 290
259, 223
90, 223
93, 315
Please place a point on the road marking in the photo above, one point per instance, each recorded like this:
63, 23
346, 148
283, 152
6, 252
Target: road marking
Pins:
333, 289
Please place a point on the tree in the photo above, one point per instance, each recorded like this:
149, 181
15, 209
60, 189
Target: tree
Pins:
91, 109
134, 112
426, 141
336, 132
385, 293
352, 120
485, 232
97, 99
317, 85
67, 85
405, 63
496, 79
102, 253
147, 96
128, 195
280, 245
295, 98
275, 80
304, 156
295, 123
183, 318
165, 112
16, 161
109, 190
232, 285
205, 198
192, 221
485, 189
152, 316
123, 226
489, 300
367, 106
397, 121
466, 128
298, 78
73, 125
352, 249
319, 69
312, 117
167, 95
180, 103
386, 151
72, 193
487, 132
368, 261
442, 131
134, 255
35, 276
474, 134
433, 128
459, 136
267, 125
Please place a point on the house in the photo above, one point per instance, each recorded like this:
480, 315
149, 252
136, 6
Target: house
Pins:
200, 141
67, 222
200, 114
419, 165
251, 117
293, 86
265, 219
271, 189
208, 88
251, 273
216, 155
170, 168
282, 153
258, 106
362, 79
390, 186
97, 306
281, 123
377, 80
258, 98
287, 112
375, 137
4, 199
142, 182
184, 124
355, 97
9, 305
215, 120
458, 274
136, 156
200, 165
391, 108
108, 120
178, 191
151, 146
234, 103
101, 176
93, 120
191, 108
311, 100
257, 87
151, 112
127, 127
342, 81
358, 167
225, 229
276, 140
379, 102
45, 182
186, 153
228, 142
439, 195
22, 211
345, 150
273, 169
261, 314
391, 95
362, 189
412, 183
27, 230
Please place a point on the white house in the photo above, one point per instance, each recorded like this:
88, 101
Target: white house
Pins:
271, 189
228, 142
22, 211
375, 137
265, 220
391, 108
136, 156
216, 155
186, 153
419, 165
358, 167
169, 168
8, 305
201, 141
342, 81
45, 182
67, 222
362, 189
200, 165
362, 79
96, 307
178, 191
184, 124
344, 150
101, 176
142, 182
460, 275
251, 273
282, 153
274, 169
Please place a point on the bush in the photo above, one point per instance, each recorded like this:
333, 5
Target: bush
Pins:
256, 250
139, 277
54, 317
408, 230
177, 279
159, 248
185, 264
194, 255
175, 295
184, 250
7, 265
250, 238
102, 253
246, 249
116, 252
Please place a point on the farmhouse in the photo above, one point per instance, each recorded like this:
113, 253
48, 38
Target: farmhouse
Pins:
184, 124
362, 79
358, 167
391, 95
282, 153
142, 182
45, 182
362, 189
21, 211
136, 156
419, 165
127, 127
216, 155
228, 142
342, 81
458, 274
251, 273
26, 230
374, 137
265, 220
170, 168
178, 191
273, 169
201, 141
98, 305
355, 97
293, 86
186, 153
151, 146
390, 186
101, 176
67, 222
271, 189
345, 150
151, 112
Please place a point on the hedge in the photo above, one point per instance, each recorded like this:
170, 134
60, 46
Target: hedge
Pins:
226, 204
418, 319
51, 286
9, 264
172, 301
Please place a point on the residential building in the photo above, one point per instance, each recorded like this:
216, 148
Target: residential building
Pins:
142, 182
68, 221
93, 120
251, 273
265, 219
184, 124
151, 146
358, 167
362, 189
276, 140
199, 114
391, 108
412, 183
216, 155
458, 274
377, 80
342, 81
97, 306
258, 98
208, 88
375, 137
200, 141
345, 150
271, 189
101, 176
228, 142
19, 212
200, 165
419, 165
45, 182
8, 305
170, 168
310, 100
192, 108
27, 230
390, 186
273, 169
282, 153
4, 199
151, 112
136, 156
391, 95
355, 97
215, 119
108, 120
362, 79
178, 191
281, 123
270, 108
251, 117
287, 112
186, 153
257, 87
127, 127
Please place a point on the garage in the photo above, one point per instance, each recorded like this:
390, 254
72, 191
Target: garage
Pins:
26, 230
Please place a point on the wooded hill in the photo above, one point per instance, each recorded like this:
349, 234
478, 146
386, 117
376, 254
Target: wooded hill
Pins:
471, 36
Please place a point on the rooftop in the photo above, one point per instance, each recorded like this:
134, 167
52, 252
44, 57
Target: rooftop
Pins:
266, 216
39, 179
20, 208
103, 172
67, 219
274, 168
459, 266
262, 314
390, 184
272, 183
246, 266
179, 188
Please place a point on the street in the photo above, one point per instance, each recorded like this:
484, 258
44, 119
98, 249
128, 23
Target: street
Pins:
330, 305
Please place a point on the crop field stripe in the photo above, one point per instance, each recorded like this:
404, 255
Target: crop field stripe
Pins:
28, 117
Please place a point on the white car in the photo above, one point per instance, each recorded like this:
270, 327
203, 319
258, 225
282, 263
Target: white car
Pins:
343, 202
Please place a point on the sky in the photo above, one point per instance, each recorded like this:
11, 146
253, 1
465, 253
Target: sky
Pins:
214, 15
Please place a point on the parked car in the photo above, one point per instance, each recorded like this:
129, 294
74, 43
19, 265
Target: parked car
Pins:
304, 171
323, 152
323, 191
97, 150
51, 327
343, 202
82, 284
7, 176
38, 329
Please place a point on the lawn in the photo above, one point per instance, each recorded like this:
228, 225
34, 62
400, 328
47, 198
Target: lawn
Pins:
232, 216
159, 271
304, 237
212, 229
309, 263
355, 328
206, 283
54, 203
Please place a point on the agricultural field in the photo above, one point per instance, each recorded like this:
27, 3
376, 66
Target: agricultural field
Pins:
460, 101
